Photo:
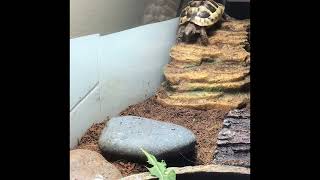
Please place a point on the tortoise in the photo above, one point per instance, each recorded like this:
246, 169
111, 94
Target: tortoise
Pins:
197, 17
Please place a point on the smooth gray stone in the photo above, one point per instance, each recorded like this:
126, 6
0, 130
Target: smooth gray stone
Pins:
124, 136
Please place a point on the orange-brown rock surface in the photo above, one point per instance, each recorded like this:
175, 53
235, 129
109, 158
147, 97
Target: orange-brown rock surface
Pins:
86, 164
205, 77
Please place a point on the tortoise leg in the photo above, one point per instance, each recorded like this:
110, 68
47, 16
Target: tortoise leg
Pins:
180, 34
204, 36
225, 17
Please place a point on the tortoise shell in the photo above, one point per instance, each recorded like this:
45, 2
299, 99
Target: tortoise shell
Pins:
202, 12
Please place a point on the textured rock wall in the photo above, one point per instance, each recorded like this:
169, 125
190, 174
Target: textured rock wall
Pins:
233, 146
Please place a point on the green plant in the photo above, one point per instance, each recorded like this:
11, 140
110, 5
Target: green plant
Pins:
159, 168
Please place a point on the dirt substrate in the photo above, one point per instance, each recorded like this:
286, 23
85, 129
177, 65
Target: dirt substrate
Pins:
205, 124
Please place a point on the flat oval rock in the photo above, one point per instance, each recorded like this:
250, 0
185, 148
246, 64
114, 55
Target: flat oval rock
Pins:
124, 136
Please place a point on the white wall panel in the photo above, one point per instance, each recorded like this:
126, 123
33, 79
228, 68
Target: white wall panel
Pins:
111, 72
87, 112
132, 64
83, 67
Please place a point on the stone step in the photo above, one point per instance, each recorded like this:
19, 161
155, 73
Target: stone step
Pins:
236, 25
235, 39
225, 101
207, 72
188, 55
213, 87
193, 95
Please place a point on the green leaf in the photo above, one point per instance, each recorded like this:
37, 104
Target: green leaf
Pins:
159, 168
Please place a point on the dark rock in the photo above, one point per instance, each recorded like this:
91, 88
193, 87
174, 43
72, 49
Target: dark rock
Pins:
239, 113
233, 145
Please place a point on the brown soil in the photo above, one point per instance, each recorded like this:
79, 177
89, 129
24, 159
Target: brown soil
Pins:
205, 124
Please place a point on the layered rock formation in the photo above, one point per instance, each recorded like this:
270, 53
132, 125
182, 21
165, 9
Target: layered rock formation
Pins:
233, 146
217, 75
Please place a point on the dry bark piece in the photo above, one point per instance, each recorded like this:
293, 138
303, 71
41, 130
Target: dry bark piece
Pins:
192, 170
233, 145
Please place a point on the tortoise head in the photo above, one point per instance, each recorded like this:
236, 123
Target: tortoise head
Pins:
190, 31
